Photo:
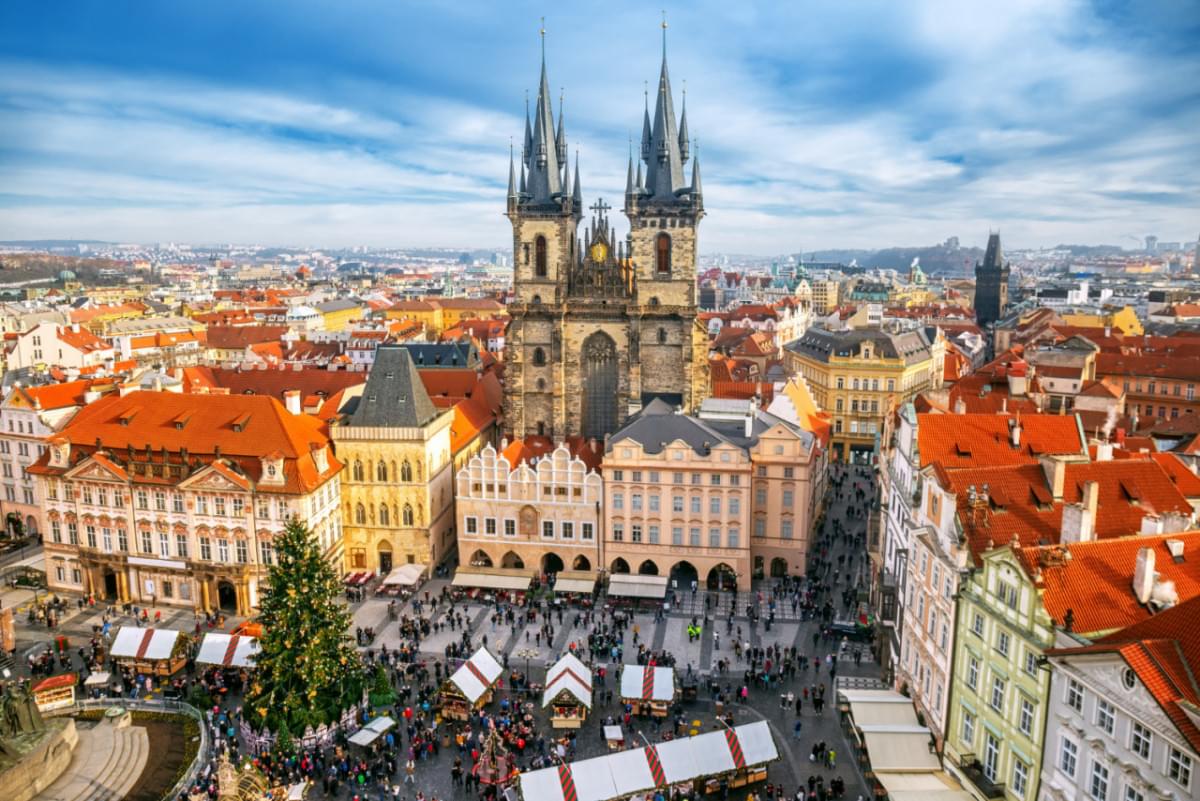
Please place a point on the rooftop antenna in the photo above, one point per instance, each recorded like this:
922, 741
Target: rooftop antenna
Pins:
664, 30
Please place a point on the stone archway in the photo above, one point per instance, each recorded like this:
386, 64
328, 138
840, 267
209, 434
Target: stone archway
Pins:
722, 577
512, 561
684, 573
619, 565
648, 568
581, 563
600, 368
480, 559
384, 552
552, 563
779, 567
227, 598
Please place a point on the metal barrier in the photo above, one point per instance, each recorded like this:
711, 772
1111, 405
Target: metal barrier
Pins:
144, 705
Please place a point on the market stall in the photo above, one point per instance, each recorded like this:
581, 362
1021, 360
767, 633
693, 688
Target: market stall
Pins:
649, 690
97, 683
569, 690
368, 734
227, 650
731, 758
575, 586
159, 652
55, 692
402, 580
634, 586
470, 687
500, 583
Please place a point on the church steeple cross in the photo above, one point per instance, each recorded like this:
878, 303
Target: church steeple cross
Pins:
600, 206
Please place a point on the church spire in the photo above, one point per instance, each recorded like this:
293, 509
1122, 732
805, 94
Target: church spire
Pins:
512, 174
664, 166
560, 139
646, 123
697, 191
683, 131
545, 169
527, 148
577, 192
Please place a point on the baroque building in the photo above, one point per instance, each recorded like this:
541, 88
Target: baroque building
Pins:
601, 325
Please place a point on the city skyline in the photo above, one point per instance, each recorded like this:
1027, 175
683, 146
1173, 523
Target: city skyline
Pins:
820, 128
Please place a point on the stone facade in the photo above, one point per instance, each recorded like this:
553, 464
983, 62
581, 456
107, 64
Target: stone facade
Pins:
601, 326
543, 515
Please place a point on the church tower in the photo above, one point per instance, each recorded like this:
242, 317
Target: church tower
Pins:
664, 213
601, 325
991, 284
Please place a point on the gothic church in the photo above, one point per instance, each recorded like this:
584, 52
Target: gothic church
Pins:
602, 325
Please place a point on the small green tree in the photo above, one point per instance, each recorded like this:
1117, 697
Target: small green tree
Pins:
381, 693
307, 671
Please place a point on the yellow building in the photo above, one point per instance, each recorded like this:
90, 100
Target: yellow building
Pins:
1124, 319
398, 485
440, 314
426, 312
858, 375
340, 313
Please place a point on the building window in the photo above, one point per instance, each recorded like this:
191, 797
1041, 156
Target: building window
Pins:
164, 545
1098, 782
618, 532
635, 503
1075, 695
568, 530
1026, 722
406, 515
997, 699
968, 729
1002, 642
205, 549
785, 528
223, 551
539, 357
181, 546
973, 673
662, 254
1031, 663
1104, 716
677, 535
734, 537
219, 506
1020, 778
1068, 756
677, 503
1132, 794
654, 503
618, 501
714, 505
472, 525
714, 538
652, 533
241, 552
1140, 739
695, 504
147, 545
143, 499
201, 504
548, 529
991, 757
489, 526
977, 624
360, 514
1179, 767
510, 527
539, 248
789, 498
73, 534
694, 537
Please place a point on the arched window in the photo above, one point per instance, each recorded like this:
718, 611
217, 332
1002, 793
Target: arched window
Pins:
408, 515
381, 471
358, 471
360, 514
541, 385
662, 254
539, 357
384, 518
662, 336
539, 248
406, 471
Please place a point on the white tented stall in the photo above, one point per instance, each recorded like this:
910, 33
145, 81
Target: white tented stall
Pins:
470, 687
227, 650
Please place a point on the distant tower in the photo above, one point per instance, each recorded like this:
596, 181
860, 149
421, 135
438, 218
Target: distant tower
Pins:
991, 284
1151, 244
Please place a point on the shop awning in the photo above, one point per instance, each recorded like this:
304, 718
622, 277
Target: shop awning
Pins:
899, 749
372, 731
97, 679
629, 585
575, 581
133, 642
228, 650
494, 578
568, 675
628, 773
477, 675
405, 575
936, 786
661, 687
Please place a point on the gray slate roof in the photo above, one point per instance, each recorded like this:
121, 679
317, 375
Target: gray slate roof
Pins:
821, 344
394, 395
657, 424
443, 354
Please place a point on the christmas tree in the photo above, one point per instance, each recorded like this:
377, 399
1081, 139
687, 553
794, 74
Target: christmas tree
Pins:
307, 671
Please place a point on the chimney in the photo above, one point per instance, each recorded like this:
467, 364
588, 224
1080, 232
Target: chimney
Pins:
1104, 451
291, 399
749, 432
91, 396
1176, 549
960, 406
1016, 433
1056, 475
1144, 575
1079, 519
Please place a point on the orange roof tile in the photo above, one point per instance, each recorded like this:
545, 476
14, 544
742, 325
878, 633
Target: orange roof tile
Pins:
1096, 582
970, 440
1187, 481
520, 451
64, 395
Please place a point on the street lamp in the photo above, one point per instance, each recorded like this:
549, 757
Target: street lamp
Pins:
527, 654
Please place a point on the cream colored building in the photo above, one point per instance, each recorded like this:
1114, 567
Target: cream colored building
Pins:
162, 498
397, 493
518, 510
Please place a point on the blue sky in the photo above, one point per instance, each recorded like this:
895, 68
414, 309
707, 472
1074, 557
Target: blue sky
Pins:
856, 124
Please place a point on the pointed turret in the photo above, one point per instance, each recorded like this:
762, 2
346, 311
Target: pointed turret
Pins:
629, 177
512, 175
683, 131
993, 258
646, 126
545, 168
664, 167
560, 139
697, 191
577, 191
522, 189
641, 186
527, 148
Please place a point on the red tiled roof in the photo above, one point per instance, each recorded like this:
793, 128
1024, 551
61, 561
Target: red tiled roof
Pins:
1096, 582
1151, 365
520, 451
744, 390
1020, 503
238, 337
273, 382
970, 440
1187, 481
83, 340
64, 395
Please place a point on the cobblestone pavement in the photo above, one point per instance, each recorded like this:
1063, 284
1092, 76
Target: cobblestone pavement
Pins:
521, 645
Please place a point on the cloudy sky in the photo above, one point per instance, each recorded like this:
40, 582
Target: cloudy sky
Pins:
839, 124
